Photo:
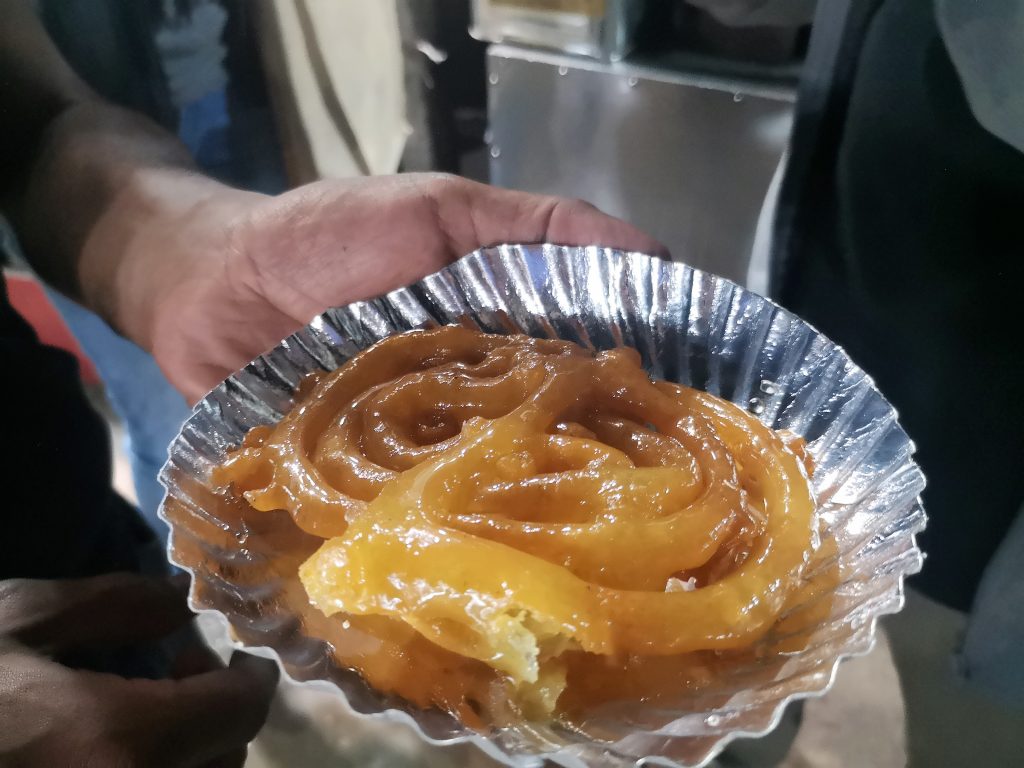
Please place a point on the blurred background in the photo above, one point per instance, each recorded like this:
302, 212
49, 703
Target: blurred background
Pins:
674, 115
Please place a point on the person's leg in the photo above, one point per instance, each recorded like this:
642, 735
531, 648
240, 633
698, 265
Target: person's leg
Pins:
950, 722
992, 659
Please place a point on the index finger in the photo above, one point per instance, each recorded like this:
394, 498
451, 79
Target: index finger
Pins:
509, 216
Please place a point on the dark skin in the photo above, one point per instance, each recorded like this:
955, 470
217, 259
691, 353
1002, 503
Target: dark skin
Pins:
56, 716
110, 210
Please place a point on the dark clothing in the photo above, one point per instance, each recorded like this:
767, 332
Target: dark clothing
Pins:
900, 238
61, 517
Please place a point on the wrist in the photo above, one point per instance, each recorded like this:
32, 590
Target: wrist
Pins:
160, 228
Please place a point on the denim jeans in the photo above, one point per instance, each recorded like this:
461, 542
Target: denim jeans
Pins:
151, 410
991, 657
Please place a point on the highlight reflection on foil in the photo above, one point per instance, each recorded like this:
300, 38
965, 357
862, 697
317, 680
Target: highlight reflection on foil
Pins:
690, 327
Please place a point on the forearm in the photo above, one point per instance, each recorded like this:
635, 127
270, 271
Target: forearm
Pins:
96, 193
107, 211
80, 176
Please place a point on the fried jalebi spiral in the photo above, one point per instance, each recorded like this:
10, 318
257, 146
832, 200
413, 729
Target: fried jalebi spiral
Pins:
526, 504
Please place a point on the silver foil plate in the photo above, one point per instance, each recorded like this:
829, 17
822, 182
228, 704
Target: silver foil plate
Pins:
690, 327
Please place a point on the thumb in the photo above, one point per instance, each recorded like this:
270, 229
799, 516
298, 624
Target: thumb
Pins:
194, 720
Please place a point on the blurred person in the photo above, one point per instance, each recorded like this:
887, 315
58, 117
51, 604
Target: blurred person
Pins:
895, 231
204, 277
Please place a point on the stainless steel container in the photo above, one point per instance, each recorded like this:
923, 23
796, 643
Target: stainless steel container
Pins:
600, 29
685, 156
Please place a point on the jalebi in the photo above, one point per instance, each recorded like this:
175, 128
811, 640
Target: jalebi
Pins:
526, 503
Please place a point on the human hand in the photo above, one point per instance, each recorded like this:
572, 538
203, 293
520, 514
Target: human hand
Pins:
52, 715
243, 271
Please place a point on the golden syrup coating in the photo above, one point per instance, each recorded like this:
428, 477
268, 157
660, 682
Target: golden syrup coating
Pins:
512, 511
